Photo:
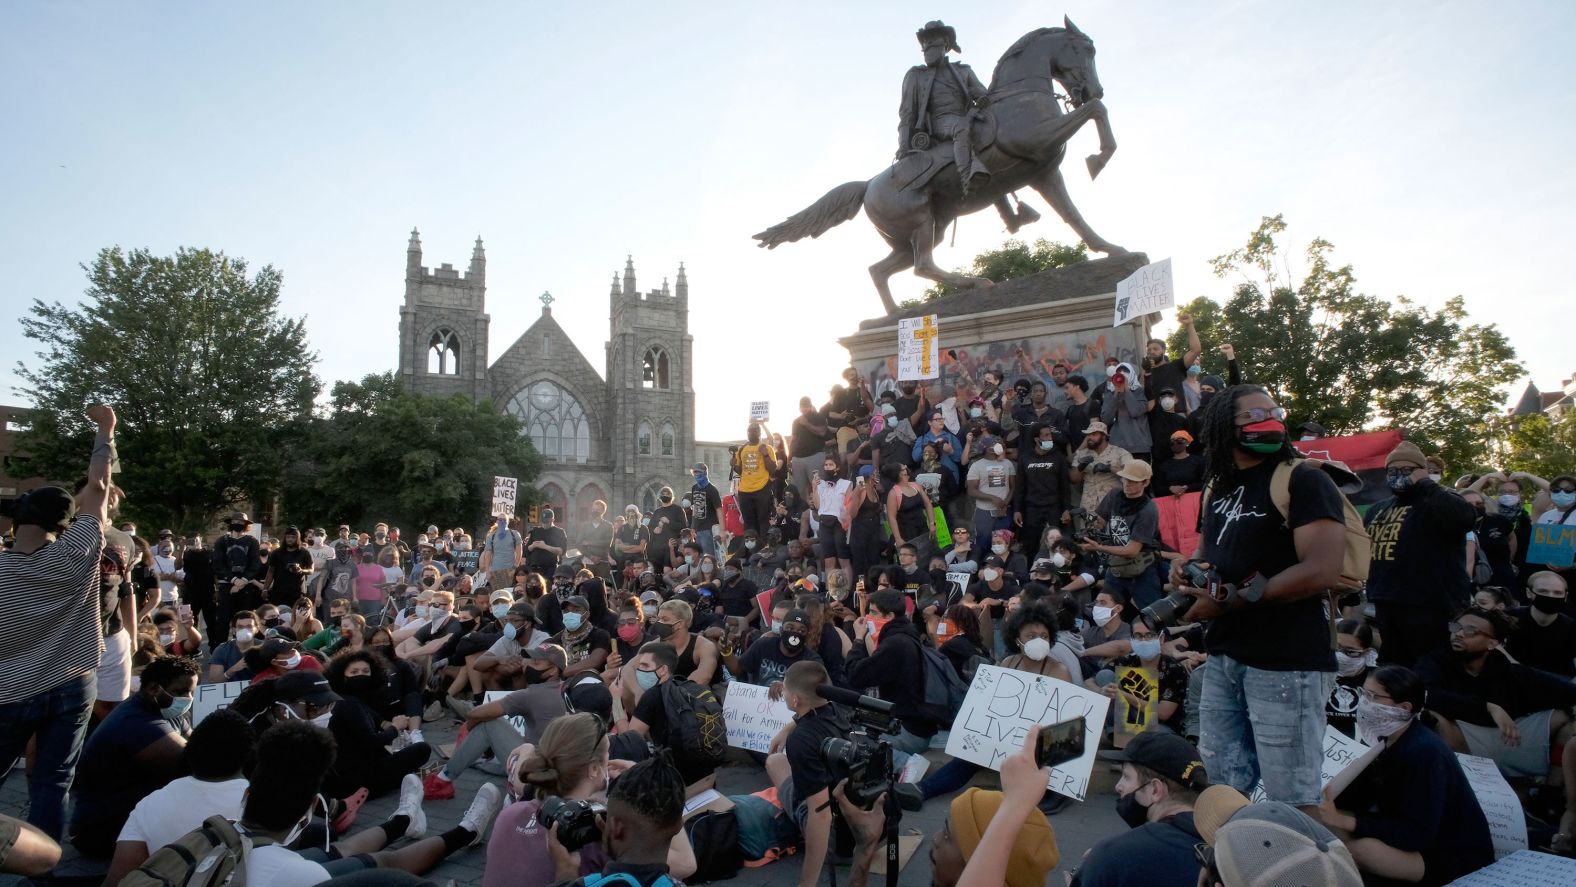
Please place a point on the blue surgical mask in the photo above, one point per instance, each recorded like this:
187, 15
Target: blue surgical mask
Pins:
500, 610
573, 621
178, 706
508, 631
1194, 370
1146, 649
646, 679
1563, 500
777, 625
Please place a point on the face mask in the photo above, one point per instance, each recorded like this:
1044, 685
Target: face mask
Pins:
509, 631
1262, 437
573, 621
1102, 615
888, 410
1166, 403
1059, 559
178, 706
975, 412
911, 569
1376, 721
421, 611
829, 473
1110, 371
1045, 445
322, 720
1037, 648
1398, 481
1133, 812
499, 611
166, 639
1563, 500
1146, 649
1347, 665
293, 661
999, 548
630, 634
689, 559
1179, 446
701, 481
729, 573
1547, 604
244, 635
645, 522
777, 625
1509, 500
285, 614
663, 630
359, 685
646, 679
707, 568
990, 574
792, 641
1435, 476
1194, 370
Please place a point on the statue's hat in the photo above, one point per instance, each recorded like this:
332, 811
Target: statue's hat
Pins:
937, 27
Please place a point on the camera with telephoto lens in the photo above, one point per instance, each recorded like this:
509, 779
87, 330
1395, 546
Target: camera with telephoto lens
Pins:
1172, 608
576, 821
867, 765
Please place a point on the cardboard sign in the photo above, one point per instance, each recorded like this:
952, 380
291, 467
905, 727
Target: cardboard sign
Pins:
1507, 826
505, 491
1003, 704
1552, 544
515, 721
760, 410
1524, 868
752, 718
918, 348
209, 698
1145, 291
1131, 719
1340, 751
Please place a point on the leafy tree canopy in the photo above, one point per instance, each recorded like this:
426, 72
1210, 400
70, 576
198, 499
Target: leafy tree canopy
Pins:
204, 374
1014, 259
1540, 446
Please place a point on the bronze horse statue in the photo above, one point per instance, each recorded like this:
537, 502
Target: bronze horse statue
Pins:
1022, 139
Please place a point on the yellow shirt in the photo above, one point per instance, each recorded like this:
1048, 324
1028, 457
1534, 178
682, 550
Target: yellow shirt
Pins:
753, 475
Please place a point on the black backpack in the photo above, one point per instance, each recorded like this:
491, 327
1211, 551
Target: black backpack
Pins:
696, 729
715, 837
944, 690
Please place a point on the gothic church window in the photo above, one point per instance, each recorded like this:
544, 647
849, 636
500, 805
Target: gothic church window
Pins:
654, 369
443, 353
643, 439
667, 439
554, 420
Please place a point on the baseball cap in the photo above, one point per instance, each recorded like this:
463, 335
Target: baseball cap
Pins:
277, 646
502, 594
166, 534
1033, 853
304, 686
1136, 471
550, 653
1183, 434
1043, 565
565, 571
1215, 805
587, 693
700, 466
577, 601
797, 617
1097, 426
1169, 755
1272, 843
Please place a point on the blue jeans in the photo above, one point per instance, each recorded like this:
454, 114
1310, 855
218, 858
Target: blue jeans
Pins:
708, 545
1141, 590
59, 718
1255, 723
985, 524
905, 744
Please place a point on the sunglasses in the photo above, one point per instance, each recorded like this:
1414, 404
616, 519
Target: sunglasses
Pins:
1259, 414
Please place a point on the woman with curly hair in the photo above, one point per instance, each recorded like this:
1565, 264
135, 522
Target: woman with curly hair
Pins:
364, 761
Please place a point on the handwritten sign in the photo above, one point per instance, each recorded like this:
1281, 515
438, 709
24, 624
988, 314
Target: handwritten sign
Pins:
1003, 704
918, 348
752, 718
1144, 684
1144, 291
466, 561
1552, 544
505, 491
1340, 751
209, 698
515, 721
1507, 826
957, 583
1524, 868
760, 410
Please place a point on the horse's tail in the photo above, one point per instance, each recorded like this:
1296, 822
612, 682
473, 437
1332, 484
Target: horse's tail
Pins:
838, 206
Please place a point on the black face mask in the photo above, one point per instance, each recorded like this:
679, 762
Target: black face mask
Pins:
1547, 604
360, 685
535, 675
663, 630
1132, 812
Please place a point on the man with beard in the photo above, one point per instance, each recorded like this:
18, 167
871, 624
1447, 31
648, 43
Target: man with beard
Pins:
287, 570
489, 728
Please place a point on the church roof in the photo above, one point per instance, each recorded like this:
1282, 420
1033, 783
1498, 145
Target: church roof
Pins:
526, 358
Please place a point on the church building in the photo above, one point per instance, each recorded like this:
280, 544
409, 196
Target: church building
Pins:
619, 435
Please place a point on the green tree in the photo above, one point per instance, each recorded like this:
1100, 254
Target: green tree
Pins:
384, 453
201, 368
1353, 362
1541, 446
1014, 259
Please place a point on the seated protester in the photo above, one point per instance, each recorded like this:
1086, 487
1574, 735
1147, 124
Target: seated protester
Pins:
697, 655
413, 615
1106, 624
362, 734
957, 636
502, 664
571, 763
629, 632
1016, 564
1544, 636
1132, 521
1492, 707
803, 780
1162, 775
425, 644
298, 696
1076, 574
908, 578
401, 702
283, 792
993, 586
587, 693
549, 609
488, 728
351, 634
653, 671
770, 657
134, 751
1492, 598
228, 661
736, 596
498, 604
645, 818
826, 640
218, 753
1267, 843
688, 568
1411, 816
303, 619
701, 594
277, 657
960, 557
176, 638
1164, 672
330, 635
887, 656
586, 645
1355, 658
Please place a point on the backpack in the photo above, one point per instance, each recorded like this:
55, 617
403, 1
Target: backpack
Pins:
696, 729
626, 879
944, 690
766, 832
1359, 548
714, 835
213, 854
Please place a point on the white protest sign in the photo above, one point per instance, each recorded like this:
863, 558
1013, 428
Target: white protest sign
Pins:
752, 718
958, 583
1340, 751
1003, 704
760, 410
918, 348
505, 490
1144, 291
209, 698
1524, 868
1507, 826
515, 721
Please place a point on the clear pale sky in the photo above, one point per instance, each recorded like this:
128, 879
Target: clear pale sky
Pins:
1430, 142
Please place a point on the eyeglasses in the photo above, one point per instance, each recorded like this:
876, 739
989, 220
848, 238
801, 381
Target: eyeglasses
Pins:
1259, 414
1370, 696
1145, 637
1465, 631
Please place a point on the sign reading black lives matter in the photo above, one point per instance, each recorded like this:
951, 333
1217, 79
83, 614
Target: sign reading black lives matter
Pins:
1001, 706
505, 490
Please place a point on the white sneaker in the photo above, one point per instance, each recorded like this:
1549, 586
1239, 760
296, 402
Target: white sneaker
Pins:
410, 797
415, 737
483, 809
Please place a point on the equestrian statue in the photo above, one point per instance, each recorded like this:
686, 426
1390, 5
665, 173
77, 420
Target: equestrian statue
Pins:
963, 147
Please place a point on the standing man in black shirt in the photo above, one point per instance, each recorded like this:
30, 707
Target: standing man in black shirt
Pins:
545, 544
237, 566
1045, 495
596, 543
1163, 373
806, 444
1079, 411
666, 522
197, 589
705, 508
1417, 577
1271, 664
288, 568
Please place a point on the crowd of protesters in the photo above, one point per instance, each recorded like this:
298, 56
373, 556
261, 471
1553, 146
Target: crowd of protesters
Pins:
1009, 520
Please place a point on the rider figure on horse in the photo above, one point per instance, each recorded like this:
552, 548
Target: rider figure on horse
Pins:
941, 99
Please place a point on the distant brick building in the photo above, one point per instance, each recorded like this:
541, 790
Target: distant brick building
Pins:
618, 435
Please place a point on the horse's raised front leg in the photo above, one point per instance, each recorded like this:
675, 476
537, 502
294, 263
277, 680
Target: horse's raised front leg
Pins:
1102, 124
925, 238
1053, 188
902, 257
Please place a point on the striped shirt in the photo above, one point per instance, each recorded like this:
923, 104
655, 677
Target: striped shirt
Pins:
50, 626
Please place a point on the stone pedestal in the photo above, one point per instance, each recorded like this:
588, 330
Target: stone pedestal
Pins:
1059, 315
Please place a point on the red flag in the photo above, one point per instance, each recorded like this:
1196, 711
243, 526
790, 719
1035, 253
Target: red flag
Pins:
1360, 452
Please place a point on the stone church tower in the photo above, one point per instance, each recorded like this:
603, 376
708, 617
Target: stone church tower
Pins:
619, 435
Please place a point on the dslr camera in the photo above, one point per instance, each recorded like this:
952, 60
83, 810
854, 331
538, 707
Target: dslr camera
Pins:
1172, 608
867, 765
576, 821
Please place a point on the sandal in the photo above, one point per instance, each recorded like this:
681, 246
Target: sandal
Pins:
346, 817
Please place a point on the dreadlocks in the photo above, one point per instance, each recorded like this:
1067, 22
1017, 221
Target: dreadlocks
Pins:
1218, 433
653, 790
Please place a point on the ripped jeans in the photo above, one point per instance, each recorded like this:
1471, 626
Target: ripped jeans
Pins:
1259, 724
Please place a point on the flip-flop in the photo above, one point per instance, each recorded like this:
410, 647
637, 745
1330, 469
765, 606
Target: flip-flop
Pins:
347, 813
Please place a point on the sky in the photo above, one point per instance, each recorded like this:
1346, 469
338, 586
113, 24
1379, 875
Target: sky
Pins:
1430, 142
